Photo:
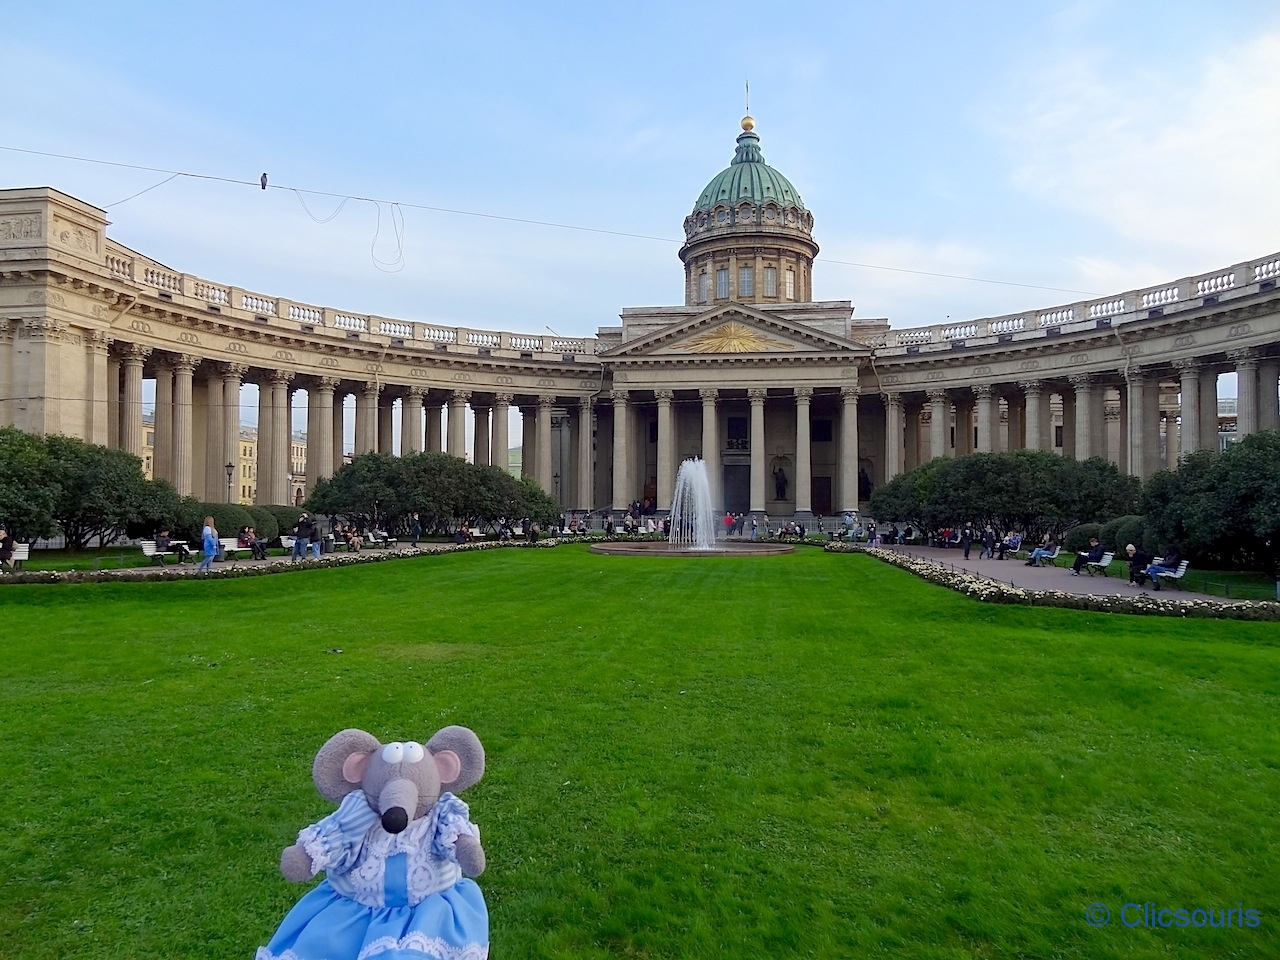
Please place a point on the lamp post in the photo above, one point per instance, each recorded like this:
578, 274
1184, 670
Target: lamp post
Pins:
231, 472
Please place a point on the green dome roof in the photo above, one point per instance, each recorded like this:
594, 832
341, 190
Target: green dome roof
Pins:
748, 177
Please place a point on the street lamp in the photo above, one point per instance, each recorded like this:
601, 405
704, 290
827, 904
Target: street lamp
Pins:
231, 472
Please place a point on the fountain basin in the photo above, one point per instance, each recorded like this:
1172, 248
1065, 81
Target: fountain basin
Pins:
661, 548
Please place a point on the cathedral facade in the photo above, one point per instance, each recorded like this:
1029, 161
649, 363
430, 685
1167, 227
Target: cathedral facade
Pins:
798, 408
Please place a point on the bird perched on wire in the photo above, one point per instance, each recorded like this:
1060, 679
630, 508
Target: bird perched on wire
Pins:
263, 181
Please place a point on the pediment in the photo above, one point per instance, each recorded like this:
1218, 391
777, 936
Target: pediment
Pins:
734, 330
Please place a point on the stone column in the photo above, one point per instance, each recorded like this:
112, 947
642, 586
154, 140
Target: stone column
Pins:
434, 442
621, 467
1246, 362
666, 450
849, 447
914, 417
386, 423
1268, 404
339, 427
97, 345
367, 417
1150, 426
711, 444
458, 423
1139, 433
586, 468
895, 430
215, 475
480, 442
232, 379
1171, 442
411, 422
281, 436
1086, 396
113, 402
543, 475
757, 397
1209, 409
131, 409
528, 442
804, 453
964, 424
1189, 403
988, 410
940, 411
500, 432
320, 431
1068, 398
162, 466
183, 454
1018, 429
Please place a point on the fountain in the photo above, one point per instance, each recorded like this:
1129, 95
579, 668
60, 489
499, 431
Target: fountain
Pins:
694, 522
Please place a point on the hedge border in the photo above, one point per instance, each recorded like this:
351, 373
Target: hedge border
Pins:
993, 591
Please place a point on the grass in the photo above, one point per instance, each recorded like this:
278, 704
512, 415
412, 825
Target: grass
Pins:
808, 755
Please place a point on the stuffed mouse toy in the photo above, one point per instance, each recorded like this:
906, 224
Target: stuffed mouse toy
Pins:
396, 855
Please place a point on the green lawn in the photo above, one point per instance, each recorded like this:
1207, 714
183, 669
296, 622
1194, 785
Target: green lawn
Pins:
808, 755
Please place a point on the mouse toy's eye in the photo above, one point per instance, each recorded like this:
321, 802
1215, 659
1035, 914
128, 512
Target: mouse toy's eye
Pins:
413, 752
393, 752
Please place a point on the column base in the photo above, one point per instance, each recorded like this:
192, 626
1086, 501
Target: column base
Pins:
802, 515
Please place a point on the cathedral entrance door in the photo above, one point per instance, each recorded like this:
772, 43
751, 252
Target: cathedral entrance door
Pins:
737, 487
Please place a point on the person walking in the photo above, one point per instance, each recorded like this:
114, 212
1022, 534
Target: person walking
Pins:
209, 544
301, 537
415, 529
966, 539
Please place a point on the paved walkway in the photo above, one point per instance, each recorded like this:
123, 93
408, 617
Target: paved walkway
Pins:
1015, 571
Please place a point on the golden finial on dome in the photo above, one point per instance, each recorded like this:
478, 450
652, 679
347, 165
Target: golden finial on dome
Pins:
748, 123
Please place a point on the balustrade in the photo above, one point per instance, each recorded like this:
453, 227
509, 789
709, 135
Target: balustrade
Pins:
1158, 298
256, 304
1107, 308
211, 293
1056, 318
440, 334
395, 328
345, 321
305, 314
1266, 271
1210, 285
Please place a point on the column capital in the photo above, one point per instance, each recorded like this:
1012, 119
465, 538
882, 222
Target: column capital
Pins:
503, 399
135, 353
984, 391
328, 383
99, 341
937, 396
757, 394
850, 391
1243, 355
664, 396
1081, 381
1187, 368
893, 398
620, 397
237, 370
709, 393
185, 363
417, 393
280, 378
586, 403
1132, 372
546, 401
802, 393
1031, 386
459, 396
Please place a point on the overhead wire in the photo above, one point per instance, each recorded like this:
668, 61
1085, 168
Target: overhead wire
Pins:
397, 207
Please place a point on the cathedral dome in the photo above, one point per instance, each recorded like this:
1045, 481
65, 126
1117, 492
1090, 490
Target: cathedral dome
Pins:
748, 196
748, 177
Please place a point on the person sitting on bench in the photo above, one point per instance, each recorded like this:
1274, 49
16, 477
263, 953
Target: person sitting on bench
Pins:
1092, 555
1168, 564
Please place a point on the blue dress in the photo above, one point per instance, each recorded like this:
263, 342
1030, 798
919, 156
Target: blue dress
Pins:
387, 896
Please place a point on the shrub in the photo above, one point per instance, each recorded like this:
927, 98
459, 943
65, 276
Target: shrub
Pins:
264, 522
1077, 538
228, 518
1132, 529
286, 516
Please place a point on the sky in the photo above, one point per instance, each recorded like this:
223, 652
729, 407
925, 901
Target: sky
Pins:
1088, 148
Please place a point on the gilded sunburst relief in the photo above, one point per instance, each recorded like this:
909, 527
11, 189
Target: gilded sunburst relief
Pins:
733, 337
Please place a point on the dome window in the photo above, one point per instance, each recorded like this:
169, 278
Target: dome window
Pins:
771, 212
744, 213
791, 284
703, 281
721, 215
746, 281
770, 281
722, 283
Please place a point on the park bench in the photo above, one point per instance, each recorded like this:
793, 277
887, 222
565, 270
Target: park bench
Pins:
21, 553
156, 555
1100, 565
1176, 575
231, 548
385, 542
1049, 560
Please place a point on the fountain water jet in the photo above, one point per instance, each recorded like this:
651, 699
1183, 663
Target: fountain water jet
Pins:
693, 518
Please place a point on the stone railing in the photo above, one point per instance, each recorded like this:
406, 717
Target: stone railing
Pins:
1116, 309
125, 265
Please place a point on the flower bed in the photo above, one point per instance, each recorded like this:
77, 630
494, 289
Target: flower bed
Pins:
992, 591
151, 574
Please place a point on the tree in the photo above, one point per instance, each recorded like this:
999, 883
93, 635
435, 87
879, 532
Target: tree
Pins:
29, 486
100, 491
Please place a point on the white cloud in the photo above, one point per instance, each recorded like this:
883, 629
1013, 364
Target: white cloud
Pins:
1181, 158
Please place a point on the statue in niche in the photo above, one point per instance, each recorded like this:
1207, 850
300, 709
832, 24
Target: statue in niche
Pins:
779, 483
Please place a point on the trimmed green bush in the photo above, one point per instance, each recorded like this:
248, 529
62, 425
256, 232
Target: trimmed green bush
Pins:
264, 522
1131, 530
1077, 538
286, 516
